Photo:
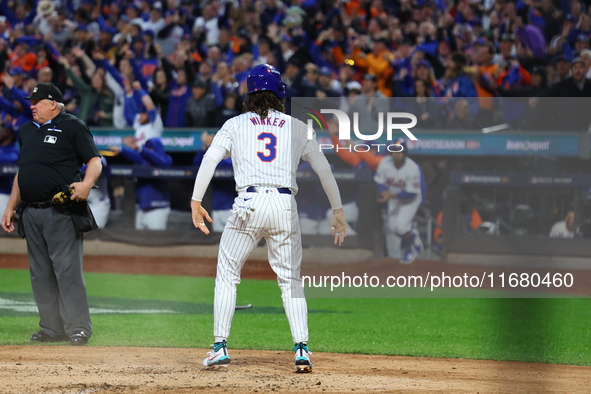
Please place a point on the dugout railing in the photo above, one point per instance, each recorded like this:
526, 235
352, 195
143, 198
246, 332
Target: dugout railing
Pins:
122, 224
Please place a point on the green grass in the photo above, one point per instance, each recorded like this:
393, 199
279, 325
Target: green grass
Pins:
536, 330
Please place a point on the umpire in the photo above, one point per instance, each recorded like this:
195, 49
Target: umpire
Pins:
53, 147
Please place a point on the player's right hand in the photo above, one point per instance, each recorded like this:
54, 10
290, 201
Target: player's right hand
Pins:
338, 226
198, 213
385, 196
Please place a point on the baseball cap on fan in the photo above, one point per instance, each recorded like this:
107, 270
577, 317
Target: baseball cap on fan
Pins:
46, 91
352, 87
325, 71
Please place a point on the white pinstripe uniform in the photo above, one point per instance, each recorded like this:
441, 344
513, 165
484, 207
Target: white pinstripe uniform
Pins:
265, 155
399, 215
407, 178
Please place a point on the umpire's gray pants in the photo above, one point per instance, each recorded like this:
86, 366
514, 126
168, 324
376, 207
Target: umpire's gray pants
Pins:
56, 262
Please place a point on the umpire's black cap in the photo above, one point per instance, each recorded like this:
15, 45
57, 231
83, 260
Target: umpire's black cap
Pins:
46, 91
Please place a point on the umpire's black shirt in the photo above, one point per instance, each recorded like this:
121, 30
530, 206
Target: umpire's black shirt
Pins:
51, 156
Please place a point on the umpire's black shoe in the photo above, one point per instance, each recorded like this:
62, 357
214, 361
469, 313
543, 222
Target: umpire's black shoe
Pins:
79, 338
42, 336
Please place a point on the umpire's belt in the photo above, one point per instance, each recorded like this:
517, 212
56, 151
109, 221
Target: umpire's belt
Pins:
41, 205
254, 189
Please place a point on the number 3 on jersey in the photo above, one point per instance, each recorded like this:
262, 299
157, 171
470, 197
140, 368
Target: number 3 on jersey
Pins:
270, 147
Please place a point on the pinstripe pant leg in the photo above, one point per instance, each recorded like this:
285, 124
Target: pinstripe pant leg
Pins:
238, 240
285, 258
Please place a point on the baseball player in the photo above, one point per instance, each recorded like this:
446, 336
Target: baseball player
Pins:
400, 182
146, 148
266, 146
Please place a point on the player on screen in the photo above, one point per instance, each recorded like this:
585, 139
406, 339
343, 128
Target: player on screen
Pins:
400, 182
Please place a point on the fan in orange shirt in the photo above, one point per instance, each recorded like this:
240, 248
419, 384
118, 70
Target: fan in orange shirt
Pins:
17, 55
378, 63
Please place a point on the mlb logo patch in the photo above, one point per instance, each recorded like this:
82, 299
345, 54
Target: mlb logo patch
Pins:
50, 139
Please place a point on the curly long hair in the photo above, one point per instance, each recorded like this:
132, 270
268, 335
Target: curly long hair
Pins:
262, 102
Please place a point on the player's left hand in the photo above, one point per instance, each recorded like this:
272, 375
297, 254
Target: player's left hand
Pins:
338, 226
198, 213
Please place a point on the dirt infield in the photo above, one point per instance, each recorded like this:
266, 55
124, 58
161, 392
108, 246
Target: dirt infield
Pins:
65, 369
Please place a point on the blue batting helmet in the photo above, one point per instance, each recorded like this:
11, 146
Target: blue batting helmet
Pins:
266, 77
400, 142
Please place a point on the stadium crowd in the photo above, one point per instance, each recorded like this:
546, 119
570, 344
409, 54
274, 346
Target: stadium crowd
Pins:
193, 58
453, 60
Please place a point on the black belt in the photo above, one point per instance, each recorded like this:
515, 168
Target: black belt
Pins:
282, 190
41, 205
